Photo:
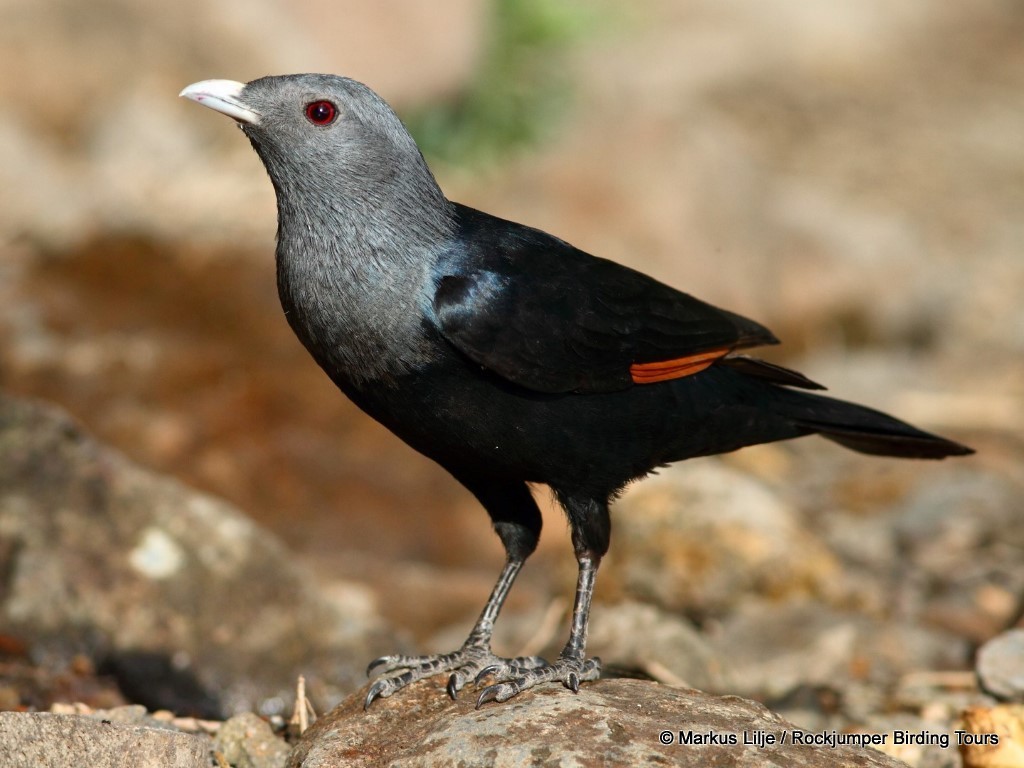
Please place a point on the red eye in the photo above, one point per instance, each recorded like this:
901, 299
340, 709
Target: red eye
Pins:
321, 112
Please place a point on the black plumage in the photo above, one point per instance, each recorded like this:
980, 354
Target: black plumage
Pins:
503, 353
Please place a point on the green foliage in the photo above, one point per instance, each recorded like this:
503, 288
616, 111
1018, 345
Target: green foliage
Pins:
521, 87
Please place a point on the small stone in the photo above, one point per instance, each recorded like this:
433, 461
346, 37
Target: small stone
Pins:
247, 741
1000, 666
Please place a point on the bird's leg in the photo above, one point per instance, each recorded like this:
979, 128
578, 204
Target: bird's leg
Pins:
577, 643
476, 651
474, 656
517, 522
591, 529
570, 668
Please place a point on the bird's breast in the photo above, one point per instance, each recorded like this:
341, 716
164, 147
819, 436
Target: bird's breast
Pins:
360, 325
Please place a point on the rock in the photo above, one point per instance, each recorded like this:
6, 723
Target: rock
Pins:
959, 538
42, 740
701, 537
192, 606
608, 723
944, 524
246, 741
775, 648
632, 635
931, 543
995, 737
1000, 666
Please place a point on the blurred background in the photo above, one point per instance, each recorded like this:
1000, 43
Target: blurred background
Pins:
851, 174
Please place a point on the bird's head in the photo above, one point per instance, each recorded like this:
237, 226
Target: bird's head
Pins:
326, 137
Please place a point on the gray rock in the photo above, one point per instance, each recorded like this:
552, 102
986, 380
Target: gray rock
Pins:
174, 587
774, 648
1000, 665
44, 740
667, 647
931, 543
609, 723
960, 539
702, 537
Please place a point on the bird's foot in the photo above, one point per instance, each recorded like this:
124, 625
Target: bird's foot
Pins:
511, 681
465, 664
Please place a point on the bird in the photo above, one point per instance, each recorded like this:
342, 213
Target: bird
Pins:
506, 355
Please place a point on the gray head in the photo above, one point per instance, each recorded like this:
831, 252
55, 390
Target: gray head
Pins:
333, 147
360, 217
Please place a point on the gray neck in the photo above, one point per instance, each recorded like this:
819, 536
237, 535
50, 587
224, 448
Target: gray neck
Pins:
353, 272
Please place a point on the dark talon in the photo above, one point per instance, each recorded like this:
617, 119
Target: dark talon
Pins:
378, 662
490, 693
453, 689
572, 682
375, 691
485, 672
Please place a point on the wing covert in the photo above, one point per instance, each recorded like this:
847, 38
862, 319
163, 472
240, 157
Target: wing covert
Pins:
549, 317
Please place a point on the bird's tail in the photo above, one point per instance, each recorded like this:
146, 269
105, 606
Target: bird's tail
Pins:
863, 429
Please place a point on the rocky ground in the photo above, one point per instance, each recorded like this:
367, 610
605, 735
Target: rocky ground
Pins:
850, 176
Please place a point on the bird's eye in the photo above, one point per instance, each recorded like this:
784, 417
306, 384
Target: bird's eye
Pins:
321, 112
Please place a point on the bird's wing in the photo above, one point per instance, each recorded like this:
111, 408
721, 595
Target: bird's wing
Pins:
551, 318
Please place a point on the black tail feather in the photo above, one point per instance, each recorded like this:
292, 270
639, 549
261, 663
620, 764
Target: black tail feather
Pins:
926, 446
864, 429
752, 366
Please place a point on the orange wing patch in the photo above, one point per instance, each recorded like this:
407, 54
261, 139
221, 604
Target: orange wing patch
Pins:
663, 370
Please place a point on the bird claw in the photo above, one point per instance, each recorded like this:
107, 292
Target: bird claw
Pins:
499, 693
572, 682
568, 671
473, 660
476, 662
486, 672
454, 686
377, 691
378, 662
